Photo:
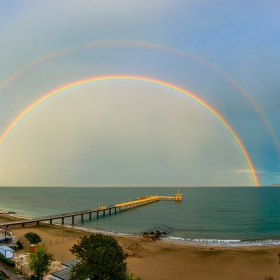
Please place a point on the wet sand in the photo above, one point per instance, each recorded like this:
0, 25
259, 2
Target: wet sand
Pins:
168, 261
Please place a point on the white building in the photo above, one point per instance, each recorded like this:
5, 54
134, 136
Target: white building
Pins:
6, 251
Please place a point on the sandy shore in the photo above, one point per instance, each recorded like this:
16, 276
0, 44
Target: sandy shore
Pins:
161, 260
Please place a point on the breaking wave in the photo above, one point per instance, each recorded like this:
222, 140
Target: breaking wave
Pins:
222, 242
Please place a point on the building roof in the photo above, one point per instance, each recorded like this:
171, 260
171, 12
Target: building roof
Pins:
62, 274
71, 262
6, 248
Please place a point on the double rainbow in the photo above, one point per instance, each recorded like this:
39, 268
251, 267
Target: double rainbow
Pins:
190, 95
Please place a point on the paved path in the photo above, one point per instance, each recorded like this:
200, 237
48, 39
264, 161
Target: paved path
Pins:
10, 274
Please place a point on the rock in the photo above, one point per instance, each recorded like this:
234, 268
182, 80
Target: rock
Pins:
152, 236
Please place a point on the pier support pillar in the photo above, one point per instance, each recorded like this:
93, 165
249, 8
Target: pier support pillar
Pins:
38, 223
23, 225
115, 210
110, 211
82, 217
73, 219
90, 215
103, 212
97, 214
50, 221
62, 221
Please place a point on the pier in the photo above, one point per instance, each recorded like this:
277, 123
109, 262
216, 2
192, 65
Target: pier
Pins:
97, 211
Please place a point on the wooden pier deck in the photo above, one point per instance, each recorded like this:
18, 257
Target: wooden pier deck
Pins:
120, 207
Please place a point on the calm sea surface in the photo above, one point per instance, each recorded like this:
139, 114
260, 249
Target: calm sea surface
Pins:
211, 216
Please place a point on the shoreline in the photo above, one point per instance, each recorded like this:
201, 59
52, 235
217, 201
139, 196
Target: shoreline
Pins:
198, 242
163, 260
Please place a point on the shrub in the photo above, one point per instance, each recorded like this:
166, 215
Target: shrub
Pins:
19, 245
2, 277
7, 261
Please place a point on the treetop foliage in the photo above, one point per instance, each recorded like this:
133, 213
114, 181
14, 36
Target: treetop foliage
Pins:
40, 261
33, 237
101, 257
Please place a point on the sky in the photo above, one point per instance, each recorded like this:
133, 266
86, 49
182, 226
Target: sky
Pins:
216, 124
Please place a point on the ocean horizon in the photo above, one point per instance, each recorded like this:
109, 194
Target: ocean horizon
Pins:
210, 216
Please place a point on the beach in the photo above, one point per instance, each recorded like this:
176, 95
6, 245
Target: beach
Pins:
161, 260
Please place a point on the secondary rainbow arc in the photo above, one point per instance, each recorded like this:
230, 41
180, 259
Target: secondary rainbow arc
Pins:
140, 79
144, 44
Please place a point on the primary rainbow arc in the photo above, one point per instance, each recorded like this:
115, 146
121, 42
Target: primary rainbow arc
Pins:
149, 45
140, 79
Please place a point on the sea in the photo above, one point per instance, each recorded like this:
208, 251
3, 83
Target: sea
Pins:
207, 216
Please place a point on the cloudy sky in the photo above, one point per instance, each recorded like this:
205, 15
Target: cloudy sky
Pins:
125, 132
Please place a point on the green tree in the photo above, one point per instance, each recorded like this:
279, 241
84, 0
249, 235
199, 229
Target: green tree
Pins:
100, 258
33, 237
40, 261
